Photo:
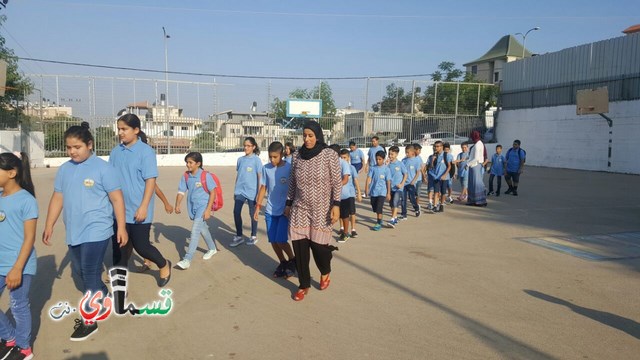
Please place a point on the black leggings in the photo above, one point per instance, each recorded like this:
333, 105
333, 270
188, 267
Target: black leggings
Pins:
491, 182
321, 254
138, 240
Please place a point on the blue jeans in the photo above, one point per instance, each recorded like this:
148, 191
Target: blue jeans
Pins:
20, 308
88, 258
199, 227
410, 192
237, 209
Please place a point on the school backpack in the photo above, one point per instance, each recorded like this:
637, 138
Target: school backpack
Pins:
218, 202
518, 153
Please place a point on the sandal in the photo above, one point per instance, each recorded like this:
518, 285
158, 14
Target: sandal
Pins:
325, 283
299, 296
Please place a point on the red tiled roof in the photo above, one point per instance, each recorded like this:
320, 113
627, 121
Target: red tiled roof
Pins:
632, 29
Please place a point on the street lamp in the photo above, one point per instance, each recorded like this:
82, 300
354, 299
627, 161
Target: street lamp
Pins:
166, 92
524, 38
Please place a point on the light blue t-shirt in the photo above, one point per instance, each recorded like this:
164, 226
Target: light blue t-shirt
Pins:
440, 167
497, 165
513, 158
249, 167
371, 155
348, 190
398, 170
354, 178
15, 209
276, 179
87, 209
463, 171
414, 166
288, 158
197, 197
135, 165
379, 176
356, 156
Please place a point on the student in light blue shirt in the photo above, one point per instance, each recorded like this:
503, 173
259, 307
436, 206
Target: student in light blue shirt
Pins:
135, 163
378, 187
398, 179
89, 192
498, 169
373, 151
347, 194
350, 193
18, 219
440, 173
463, 170
199, 203
289, 149
249, 168
274, 184
356, 156
515, 158
414, 174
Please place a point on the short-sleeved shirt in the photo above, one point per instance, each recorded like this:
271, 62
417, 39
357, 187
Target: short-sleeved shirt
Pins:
354, 178
440, 167
288, 159
276, 179
87, 209
414, 166
135, 164
497, 165
356, 156
371, 155
248, 168
197, 197
463, 171
398, 170
348, 191
15, 209
379, 176
513, 158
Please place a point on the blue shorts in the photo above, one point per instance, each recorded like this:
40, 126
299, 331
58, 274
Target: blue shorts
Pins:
396, 199
377, 202
418, 186
440, 186
430, 182
449, 183
358, 166
277, 228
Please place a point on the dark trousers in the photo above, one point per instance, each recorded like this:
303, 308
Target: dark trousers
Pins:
237, 214
88, 262
321, 254
410, 192
138, 240
491, 182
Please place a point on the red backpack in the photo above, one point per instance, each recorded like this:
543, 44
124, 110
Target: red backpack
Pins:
218, 202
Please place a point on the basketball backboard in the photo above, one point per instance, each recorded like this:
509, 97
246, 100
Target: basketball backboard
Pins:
306, 108
592, 101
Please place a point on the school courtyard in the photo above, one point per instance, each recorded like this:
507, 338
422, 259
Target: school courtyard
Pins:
551, 274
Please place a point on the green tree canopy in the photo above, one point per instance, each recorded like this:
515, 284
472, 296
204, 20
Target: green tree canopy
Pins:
17, 85
323, 92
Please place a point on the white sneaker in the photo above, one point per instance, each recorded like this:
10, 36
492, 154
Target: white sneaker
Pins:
252, 241
237, 240
184, 264
209, 254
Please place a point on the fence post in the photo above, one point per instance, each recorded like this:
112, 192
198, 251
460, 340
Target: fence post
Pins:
435, 99
455, 118
478, 102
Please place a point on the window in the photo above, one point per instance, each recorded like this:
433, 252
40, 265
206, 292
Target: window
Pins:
172, 127
496, 76
184, 128
474, 69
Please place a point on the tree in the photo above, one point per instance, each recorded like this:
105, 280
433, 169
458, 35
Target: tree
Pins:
205, 141
397, 100
54, 129
323, 92
17, 85
105, 140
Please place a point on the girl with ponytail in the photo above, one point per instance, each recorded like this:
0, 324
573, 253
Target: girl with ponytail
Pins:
18, 218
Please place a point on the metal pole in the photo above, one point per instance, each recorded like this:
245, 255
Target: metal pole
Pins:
478, 101
166, 93
198, 87
366, 106
113, 100
455, 119
413, 95
57, 92
435, 99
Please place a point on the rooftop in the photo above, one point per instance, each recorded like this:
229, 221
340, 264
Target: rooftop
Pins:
508, 45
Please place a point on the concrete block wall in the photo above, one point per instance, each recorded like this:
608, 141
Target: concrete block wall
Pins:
557, 137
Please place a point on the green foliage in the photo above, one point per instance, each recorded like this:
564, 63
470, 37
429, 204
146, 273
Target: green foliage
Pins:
54, 130
17, 85
205, 141
397, 100
105, 140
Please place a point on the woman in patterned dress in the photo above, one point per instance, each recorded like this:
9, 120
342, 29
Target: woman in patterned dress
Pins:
313, 206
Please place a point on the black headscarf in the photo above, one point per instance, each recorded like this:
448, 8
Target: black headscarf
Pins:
308, 154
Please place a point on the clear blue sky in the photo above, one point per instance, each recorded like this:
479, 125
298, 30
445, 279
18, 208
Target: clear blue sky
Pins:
296, 38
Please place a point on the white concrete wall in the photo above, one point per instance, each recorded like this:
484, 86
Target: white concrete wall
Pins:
557, 137
10, 142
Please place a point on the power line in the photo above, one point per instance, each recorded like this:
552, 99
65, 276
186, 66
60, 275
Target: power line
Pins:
222, 75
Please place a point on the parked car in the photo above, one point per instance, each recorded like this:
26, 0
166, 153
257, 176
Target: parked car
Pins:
427, 139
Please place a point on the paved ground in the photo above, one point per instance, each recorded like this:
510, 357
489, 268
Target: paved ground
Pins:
454, 285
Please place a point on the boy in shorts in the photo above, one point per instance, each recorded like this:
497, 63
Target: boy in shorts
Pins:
441, 164
398, 178
348, 199
378, 187
275, 182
